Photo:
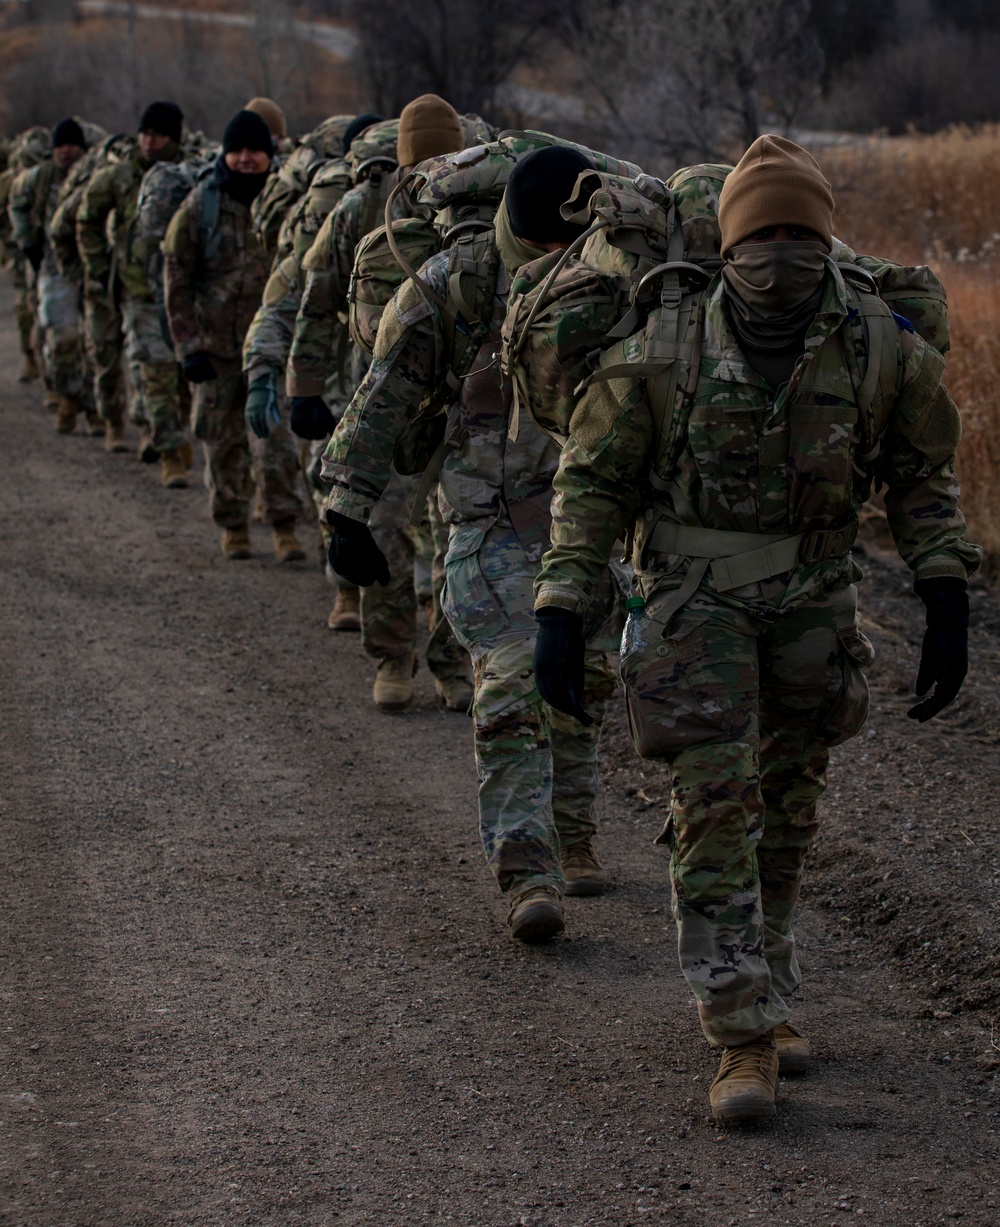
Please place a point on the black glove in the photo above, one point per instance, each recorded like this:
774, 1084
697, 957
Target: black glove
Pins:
559, 649
353, 553
944, 655
34, 255
311, 419
198, 368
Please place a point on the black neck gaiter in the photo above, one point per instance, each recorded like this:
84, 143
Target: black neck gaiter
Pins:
774, 290
242, 188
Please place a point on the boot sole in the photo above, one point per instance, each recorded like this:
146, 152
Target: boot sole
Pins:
584, 886
343, 624
750, 1108
538, 923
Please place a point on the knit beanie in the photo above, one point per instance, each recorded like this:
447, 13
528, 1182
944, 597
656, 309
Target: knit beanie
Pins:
538, 185
775, 183
356, 126
246, 130
163, 118
428, 127
271, 114
68, 132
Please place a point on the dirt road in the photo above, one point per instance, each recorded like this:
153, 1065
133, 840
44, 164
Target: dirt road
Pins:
254, 972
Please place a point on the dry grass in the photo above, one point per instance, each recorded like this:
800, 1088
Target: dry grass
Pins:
936, 200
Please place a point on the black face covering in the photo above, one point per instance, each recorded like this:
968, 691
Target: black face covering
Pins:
774, 290
242, 188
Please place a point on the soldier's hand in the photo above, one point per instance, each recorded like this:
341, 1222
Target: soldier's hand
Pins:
34, 255
944, 656
262, 411
559, 659
198, 368
311, 418
353, 553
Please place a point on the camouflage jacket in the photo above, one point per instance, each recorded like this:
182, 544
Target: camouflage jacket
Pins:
34, 197
213, 278
748, 461
487, 478
329, 264
105, 225
269, 339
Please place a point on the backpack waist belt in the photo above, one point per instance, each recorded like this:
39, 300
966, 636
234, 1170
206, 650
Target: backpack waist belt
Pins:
738, 558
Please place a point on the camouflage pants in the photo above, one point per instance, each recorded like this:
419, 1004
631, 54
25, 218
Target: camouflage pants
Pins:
59, 319
160, 394
104, 344
218, 408
24, 304
389, 614
537, 768
744, 710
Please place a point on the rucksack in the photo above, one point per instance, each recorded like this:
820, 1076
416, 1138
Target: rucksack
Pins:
163, 190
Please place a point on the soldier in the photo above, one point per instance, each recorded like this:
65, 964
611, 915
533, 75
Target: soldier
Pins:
537, 767
33, 201
215, 270
29, 148
428, 127
117, 290
745, 665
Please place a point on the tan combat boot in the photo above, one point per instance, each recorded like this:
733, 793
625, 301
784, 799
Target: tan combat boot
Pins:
393, 688
66, 414
794, 1050
286, 544
146, 451
745, 1086
346, 612
186, 453
114, 437
236, 542
536, 916
455, 693
584, 873
29, 369
95, 424
173, 470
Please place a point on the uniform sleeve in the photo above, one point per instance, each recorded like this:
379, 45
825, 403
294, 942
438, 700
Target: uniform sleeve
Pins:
358, 458
19, 207
922, 486
180, 259
269, 337
91, 230
62, 235
597, 491
313, 355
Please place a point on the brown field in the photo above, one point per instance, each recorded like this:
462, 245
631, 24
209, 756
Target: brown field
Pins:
936, 200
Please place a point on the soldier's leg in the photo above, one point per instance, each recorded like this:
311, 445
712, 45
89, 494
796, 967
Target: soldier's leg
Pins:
218, 421
103, 338
61, 344
277, 463
389, 614
813, 695
574, 756
447, 660
158, 375
24, 316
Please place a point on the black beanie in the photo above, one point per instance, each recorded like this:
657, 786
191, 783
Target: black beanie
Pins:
537, 186
358, 124
68, 132
163, 118
246, 130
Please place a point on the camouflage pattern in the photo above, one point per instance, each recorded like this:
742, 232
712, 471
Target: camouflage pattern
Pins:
213, 285
231, 453
535, 767
28, 149
744, 689
161, 400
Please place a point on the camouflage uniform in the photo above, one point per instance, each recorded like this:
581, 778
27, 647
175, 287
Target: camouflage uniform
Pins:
28, 149
537, 768
746, 673
120, 301
214, 278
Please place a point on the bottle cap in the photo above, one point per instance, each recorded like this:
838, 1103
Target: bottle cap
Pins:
635, 602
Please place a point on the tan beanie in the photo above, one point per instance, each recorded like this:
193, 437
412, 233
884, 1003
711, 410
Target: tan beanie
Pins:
428, 127
775, 183
271, 114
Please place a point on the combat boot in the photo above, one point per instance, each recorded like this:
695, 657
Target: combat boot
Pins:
146, 451
393, 689
286, 544
236, 542
745, 1086
114, 437
51, 401
794, 1050
346, 612
29, 369
66, 414
584, 873
455, 693
186, 453
95, 424
173, 470
536, 916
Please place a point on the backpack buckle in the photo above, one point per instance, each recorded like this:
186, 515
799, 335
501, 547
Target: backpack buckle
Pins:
827, 543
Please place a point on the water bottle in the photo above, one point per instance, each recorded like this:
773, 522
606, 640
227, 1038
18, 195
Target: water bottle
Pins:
638, 628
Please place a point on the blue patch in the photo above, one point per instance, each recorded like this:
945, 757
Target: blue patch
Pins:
852, 313
902, 323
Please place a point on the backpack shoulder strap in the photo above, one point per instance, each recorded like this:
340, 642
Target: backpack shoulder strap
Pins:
873, 360
473, 266
208, 219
